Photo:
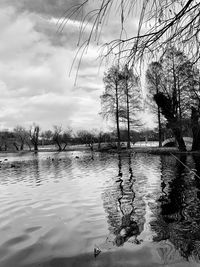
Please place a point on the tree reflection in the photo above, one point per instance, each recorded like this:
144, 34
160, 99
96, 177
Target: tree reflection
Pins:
178, 215
120, 207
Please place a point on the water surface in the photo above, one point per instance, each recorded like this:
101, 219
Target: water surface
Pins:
138, 209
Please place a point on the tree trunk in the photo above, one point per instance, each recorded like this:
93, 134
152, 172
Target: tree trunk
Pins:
99, 142
64, 147
159, 118
128, 116
59, 146
36, 146
167, 110
179, 104
117, 118
195, 130
29, 145
15, 145
179, 138
22, 143
34, 137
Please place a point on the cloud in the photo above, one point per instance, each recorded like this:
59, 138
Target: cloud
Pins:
44, 7
35, 61
34, 76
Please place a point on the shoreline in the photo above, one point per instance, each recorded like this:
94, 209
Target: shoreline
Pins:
148, 150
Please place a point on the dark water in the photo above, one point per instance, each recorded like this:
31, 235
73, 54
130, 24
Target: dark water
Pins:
139, 210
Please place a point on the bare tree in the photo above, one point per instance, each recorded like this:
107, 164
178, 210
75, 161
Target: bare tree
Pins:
57, 136
131, 99
34, 136
4, 139
21, 135
110, 99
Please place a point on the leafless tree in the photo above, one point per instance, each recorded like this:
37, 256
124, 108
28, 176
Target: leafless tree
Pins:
57, 136
110, 99
66, 137
132, 99
21, 135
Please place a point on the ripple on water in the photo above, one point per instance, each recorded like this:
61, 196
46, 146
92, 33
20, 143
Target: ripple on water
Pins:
63, 207
32, 229
16, 241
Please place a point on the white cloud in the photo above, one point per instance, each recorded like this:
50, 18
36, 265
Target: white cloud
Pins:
35, 61
34, 76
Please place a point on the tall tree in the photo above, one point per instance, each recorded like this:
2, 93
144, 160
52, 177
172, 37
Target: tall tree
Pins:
132, 99
110, 99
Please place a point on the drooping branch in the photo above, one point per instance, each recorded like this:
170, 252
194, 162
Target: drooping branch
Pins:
167, 22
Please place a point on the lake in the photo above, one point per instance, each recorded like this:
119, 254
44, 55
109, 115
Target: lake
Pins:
57, 209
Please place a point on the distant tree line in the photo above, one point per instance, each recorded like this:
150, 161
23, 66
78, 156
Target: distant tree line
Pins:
21, 139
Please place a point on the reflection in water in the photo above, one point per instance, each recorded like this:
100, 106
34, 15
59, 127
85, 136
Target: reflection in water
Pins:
178, 214
35, 171
148, 203
128, 227
119, 204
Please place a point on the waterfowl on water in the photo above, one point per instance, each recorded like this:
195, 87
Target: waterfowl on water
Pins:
14, 166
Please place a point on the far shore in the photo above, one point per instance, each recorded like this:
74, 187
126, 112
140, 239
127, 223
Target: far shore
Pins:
139, 149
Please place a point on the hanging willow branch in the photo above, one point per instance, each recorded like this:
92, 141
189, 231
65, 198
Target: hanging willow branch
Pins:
160, 23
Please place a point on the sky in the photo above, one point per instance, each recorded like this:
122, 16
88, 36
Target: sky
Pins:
35, 62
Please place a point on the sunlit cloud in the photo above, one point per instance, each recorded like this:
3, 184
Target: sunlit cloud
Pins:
35, 85
38, 80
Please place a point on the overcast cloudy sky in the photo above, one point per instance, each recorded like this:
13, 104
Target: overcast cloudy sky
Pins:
35, 61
